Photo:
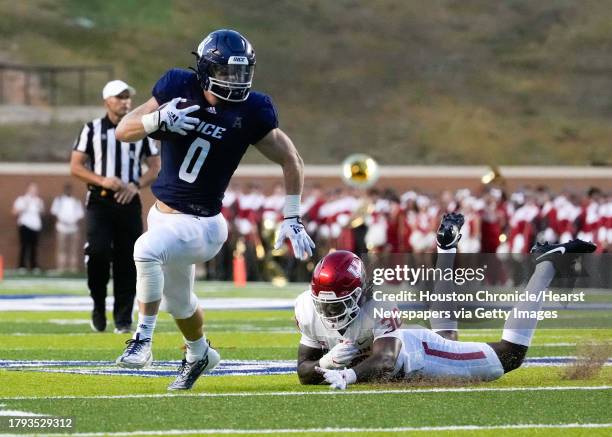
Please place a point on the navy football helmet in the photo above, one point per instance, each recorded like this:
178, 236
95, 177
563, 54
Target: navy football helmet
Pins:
225, 65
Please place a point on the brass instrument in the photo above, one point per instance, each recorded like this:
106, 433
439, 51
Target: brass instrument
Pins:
360, 171
492, 177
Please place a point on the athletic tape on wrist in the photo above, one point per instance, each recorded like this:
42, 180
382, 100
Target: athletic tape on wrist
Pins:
150, 122
292, 205
325, 362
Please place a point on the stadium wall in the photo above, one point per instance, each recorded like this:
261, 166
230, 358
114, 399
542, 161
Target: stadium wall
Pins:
14, 178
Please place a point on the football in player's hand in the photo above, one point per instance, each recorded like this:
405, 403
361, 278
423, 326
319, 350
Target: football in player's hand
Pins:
165, 135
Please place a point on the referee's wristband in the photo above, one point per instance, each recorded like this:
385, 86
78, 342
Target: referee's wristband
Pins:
150, 122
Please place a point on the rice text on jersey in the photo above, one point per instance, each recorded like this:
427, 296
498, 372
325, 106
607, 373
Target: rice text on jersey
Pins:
210, 130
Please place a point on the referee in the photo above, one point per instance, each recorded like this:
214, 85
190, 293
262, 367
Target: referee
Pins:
112, 171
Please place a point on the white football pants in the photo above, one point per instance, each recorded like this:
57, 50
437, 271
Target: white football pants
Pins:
177, 242
426, 354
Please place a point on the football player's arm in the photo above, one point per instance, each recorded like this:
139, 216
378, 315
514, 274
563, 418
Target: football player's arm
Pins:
278, 148
153, 164
79, 170
308, 359
131, 127
381, 364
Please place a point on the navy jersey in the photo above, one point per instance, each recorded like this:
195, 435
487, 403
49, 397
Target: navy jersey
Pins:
196, 168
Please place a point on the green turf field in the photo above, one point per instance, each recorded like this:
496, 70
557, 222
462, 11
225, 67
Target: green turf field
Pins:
535, 400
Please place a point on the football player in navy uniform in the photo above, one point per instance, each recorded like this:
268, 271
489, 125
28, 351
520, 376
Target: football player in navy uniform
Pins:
206, 119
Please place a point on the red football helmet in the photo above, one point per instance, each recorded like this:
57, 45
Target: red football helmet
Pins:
337, 285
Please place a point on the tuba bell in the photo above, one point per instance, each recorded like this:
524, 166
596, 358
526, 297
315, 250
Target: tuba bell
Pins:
492, 177
360, 171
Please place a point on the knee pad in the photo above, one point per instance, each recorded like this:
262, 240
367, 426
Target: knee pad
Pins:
179, 299
149, 281
180, 308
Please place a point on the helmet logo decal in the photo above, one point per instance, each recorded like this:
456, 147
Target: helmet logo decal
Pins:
238, 60
355, 268
200, 50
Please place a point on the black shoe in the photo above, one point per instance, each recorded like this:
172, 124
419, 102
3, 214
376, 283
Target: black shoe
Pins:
562, 255
123, 329
98, 320
449, 231
190, 372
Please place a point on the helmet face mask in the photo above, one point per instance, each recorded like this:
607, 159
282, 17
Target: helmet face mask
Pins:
338, 288
225, 65
231, 82
334, 312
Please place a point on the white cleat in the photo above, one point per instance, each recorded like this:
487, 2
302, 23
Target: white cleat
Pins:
137, 354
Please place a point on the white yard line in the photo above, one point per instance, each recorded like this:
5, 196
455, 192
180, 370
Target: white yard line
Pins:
338, 430
211, 330
17, 413
323, 393
80, 284
83, 303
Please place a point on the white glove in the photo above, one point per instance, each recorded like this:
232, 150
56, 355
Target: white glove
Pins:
340, 356
169, 118
338, 379
301, 242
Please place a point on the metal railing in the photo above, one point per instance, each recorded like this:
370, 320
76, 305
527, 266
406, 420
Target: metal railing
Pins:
53, 85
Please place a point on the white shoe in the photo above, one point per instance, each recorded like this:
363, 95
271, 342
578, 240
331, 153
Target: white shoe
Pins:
137, 354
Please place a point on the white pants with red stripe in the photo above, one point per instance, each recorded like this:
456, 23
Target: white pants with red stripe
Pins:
426, 354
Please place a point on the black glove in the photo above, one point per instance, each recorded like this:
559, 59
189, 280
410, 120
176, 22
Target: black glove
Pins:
449, 231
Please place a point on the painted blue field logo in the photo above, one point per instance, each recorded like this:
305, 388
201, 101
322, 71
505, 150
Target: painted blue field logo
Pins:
226, 367
158, 369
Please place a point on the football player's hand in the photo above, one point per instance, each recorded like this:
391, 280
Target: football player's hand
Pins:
112, 183
340, 356
338, 379
126, 194
449, 232
172, 119
293, 229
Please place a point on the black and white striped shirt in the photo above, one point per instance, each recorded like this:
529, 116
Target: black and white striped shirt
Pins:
110, 157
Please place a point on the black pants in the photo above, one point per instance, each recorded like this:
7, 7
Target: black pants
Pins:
28, 240
112, 230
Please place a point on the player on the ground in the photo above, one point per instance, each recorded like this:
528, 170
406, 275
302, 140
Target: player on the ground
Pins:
202, 145
343, 343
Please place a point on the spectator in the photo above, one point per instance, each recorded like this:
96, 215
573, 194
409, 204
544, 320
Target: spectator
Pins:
28, 209
68, 210
380, 223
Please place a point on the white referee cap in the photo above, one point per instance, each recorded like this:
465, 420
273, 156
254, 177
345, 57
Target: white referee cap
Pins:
116, 87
